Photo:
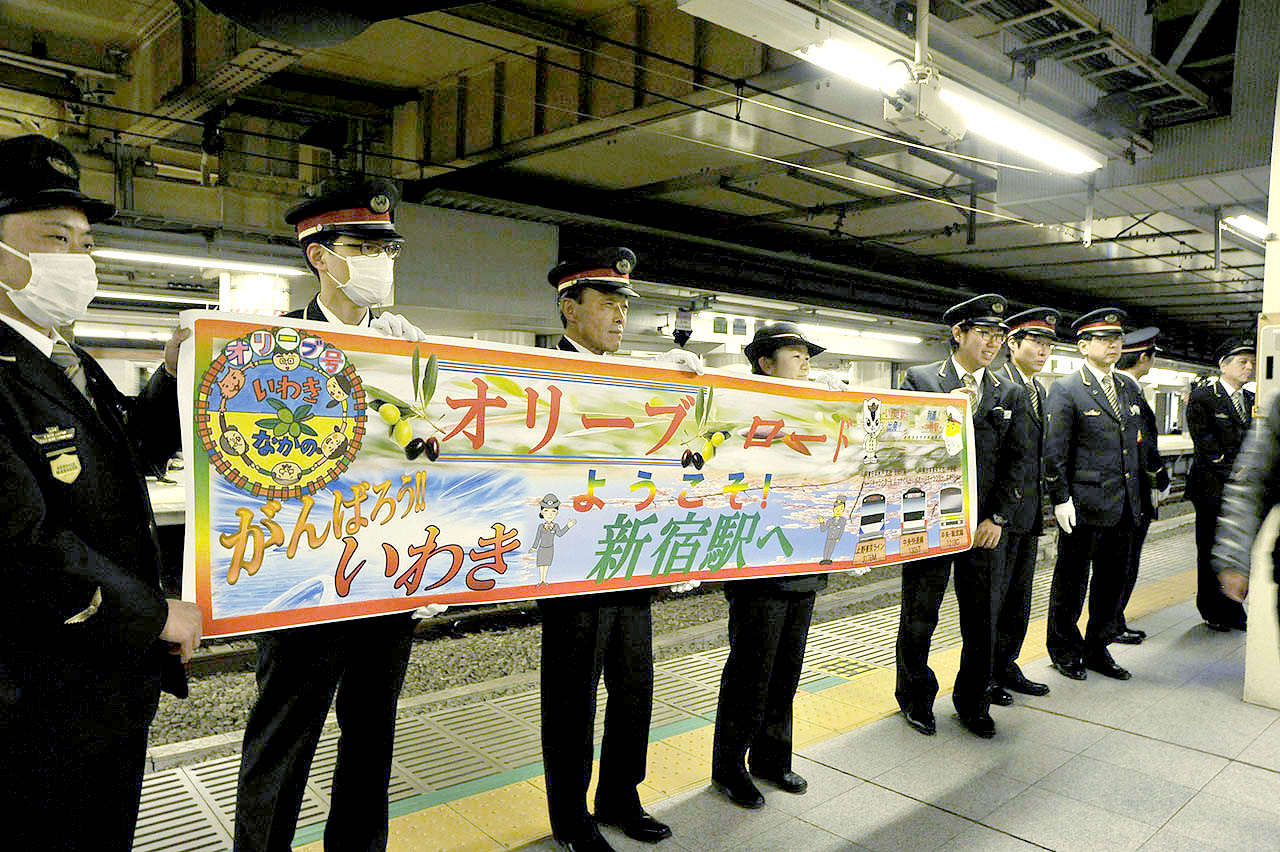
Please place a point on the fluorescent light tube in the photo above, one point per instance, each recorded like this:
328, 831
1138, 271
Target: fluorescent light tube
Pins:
127, 296
106, 332
1019, 136
1250, 225
197, 262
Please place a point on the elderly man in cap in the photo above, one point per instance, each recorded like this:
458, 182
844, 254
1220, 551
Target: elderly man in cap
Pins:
611, 633
1093, 469
1003, 449
768, 628
88, 636
1031, 337
1218, 416
349, 240
1137, 357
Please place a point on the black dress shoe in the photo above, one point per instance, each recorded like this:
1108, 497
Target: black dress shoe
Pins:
1000, 697
640, 826
740, 790
788, 782
1129, 637
1070, 668
1217, 628
1102, 663
922, 720
979, 724
1016, 681
586, 844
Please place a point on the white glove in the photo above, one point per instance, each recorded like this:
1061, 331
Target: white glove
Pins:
394, 325
682, 358
1065, 513
686, 586
831, 381
430, 610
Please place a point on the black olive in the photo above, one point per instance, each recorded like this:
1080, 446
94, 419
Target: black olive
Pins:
697, 461
433, 448
414, 448
687, 458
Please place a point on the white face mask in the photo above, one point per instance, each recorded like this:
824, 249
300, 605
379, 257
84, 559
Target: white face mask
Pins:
369, 279
61, 287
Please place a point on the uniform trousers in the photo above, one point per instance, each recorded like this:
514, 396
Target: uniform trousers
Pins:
1088, 547
981, 575
1214, 606
75, 750
1015, 608
767, 635
1131, 579
299, 671
584, 637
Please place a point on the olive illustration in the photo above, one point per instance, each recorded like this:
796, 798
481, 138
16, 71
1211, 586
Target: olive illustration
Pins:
414, 448
687, 458
718, 438
376, 404
697, 461
402, 432
433, 448
389, 413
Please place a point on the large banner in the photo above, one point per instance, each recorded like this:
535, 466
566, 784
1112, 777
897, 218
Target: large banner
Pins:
335, 474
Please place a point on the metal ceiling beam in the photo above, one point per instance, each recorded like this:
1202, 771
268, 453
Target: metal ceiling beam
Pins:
1192, 35
1071, 244
814, 180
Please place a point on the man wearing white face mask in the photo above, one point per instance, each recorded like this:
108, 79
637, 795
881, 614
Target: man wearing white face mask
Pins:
87, 638
351, 244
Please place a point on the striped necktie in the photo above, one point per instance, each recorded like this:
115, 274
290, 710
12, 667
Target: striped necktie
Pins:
1237, 402
971, 384
1109, 388
1034, 394
69, 363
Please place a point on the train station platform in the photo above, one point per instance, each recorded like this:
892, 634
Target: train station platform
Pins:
1169, 761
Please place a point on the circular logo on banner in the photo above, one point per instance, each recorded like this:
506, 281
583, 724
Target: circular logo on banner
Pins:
281, 414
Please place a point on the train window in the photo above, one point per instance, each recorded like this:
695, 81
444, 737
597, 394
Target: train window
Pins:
951, 501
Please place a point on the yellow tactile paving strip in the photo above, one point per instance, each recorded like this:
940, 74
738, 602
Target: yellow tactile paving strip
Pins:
514, 815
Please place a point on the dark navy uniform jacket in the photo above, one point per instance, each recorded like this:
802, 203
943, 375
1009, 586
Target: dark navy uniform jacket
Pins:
63, 541
1091, 454
1028, 518
312, 312
1001, 434
1217, 432
1156, 478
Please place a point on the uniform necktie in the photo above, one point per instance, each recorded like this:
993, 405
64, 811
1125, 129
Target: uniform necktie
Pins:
70, 365
1237, 400
970, 383
1035, 398
1109, 388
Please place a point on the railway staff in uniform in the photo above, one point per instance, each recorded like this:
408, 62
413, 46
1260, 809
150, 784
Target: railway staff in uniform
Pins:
1218, 416
1137, 357
1003, 448
89, 639
1031, 337
610, 633
768, 628
1093, 466
350, 242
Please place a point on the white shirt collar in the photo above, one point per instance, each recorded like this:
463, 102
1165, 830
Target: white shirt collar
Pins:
960, 371
333, 318
34, 337
1226, 386
1096, 372
1026, 380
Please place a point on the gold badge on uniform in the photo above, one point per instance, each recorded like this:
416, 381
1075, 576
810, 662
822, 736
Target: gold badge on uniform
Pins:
65, 467
1093, 412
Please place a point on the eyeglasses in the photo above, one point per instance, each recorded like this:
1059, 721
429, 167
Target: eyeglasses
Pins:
1108, 339
391, 250
990, 335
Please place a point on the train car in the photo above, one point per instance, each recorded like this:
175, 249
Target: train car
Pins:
951, 507
913, 510
872, 515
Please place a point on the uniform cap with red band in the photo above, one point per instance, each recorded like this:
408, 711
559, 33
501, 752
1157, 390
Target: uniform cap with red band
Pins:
1037, 322
608, 271
1103, 321
364, 209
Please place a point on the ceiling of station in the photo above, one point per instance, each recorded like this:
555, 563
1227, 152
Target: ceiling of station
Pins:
733, 166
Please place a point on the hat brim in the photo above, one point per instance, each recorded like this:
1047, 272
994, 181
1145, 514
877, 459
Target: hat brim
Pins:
604, 287
764, 349
362, 232
1019, 333
48, 199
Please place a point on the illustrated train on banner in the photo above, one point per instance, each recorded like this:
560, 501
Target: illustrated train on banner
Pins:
335, 474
